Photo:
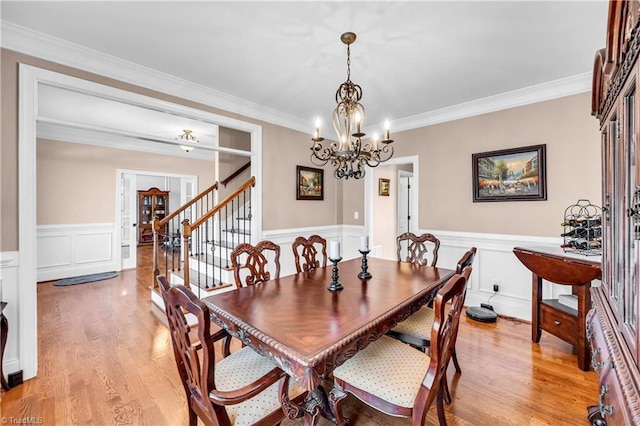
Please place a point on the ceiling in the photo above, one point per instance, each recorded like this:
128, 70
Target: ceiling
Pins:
412, 59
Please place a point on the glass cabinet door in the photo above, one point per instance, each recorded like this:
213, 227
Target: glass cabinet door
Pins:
630, 221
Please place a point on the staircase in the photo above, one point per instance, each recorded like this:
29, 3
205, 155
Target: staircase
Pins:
192, 246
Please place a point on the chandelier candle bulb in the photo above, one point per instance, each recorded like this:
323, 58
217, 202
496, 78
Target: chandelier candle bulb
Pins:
334, 249
358, 120
318, 128
386, 130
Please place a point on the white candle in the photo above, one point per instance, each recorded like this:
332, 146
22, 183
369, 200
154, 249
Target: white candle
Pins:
317, 127
386, 130
334, 250
364, 243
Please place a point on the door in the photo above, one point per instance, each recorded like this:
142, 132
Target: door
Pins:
128, 234
404, 203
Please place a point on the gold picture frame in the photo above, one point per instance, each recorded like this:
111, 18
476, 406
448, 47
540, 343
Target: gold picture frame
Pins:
383, 187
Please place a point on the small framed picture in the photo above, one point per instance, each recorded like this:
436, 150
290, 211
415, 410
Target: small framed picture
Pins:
309, 183
383, 187
516, 174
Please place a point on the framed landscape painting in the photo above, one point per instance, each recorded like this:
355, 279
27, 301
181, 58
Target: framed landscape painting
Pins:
517, 174
309, 183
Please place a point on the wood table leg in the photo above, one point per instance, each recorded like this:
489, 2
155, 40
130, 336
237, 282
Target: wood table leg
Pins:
536, 285
584, 301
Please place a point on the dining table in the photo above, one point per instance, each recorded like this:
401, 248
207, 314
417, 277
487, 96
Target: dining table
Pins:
308, 330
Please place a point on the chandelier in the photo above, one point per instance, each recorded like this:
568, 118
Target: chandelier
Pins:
187, 138
350, 154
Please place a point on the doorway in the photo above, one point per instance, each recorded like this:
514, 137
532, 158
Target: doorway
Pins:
181, 189
30, 81
405, 180
382, 213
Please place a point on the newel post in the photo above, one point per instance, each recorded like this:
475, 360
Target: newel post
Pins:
186, 235
156, 270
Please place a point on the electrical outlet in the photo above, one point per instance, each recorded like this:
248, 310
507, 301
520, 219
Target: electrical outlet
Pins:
356, 215
496, 285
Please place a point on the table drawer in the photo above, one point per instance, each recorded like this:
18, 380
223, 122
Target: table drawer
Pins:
559, 323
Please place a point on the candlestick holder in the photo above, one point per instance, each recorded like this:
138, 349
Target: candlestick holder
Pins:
335, 285
364, 275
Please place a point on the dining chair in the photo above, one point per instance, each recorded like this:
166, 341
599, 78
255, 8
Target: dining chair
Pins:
416, 330
255, 264
165, 286
418, 248
416, 379
239, 389
305, 252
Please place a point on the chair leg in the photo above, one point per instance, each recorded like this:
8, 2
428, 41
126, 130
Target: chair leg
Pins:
442, 420
445, 390
335, 401
455, 361
193, 417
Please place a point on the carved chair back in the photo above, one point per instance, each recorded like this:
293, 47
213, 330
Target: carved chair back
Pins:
443, 338
466, 260
306, 254
196, 362
255, 264
196, 372
165, 286
418, 248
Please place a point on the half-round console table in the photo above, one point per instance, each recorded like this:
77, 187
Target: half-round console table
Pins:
556, 266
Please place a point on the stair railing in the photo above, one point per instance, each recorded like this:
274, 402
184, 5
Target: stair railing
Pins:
208, 241
167, 233
233, 175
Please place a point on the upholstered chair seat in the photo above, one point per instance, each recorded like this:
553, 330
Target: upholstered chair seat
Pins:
369, 370
418, 324
240, 369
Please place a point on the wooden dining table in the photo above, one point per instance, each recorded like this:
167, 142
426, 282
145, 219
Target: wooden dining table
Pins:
308, 330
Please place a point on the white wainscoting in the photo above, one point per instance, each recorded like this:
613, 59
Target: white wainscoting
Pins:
494, 262
9, 261
79, 249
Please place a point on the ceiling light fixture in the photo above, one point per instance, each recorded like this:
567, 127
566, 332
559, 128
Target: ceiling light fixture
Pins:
187, 137
349, 155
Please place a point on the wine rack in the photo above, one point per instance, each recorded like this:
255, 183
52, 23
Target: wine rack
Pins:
582, 231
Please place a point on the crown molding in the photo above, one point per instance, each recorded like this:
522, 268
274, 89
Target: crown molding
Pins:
573, 85
33, 43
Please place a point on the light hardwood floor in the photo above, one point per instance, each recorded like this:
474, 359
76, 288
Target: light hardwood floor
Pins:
105, 358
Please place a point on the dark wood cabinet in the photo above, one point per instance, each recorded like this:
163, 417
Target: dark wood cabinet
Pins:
612, 325
152, 203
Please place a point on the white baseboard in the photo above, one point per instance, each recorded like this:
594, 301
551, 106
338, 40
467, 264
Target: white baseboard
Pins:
78, 249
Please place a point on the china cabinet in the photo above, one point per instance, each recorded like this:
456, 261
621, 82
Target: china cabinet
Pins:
152, 203
612, 324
